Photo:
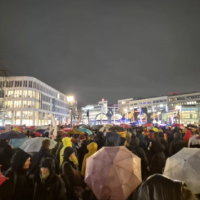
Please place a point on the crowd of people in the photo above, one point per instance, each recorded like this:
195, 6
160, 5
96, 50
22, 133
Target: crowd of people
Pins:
58, 173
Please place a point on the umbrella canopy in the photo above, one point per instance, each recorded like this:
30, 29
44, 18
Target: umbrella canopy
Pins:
155, 129
184, 166
75, 131
2, 177
113, 137
34, 144
117, 129
191, 125
125, 126
41, 131
97, 127
66, 129
85, 130
60, 132
12, 135
178, 125
18, 129
37, 134
147, 124
113, 173
31, 127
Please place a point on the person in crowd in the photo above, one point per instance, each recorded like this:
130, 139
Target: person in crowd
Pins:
138, 151
151, 136
66, 143
74, 181
48, 185
158, 187
188, 135
6, 153
43, 153
161, 139
92, 148
143, 142
194, 142
59, 142
157, 157
17, 186
32, 135
177, 144
82, 150
75, 145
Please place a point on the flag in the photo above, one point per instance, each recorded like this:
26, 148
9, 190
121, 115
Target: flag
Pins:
53, 127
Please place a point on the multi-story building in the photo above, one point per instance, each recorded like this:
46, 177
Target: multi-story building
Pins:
100, 113
27, 100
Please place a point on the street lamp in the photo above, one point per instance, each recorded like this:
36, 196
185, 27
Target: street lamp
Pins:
70, 100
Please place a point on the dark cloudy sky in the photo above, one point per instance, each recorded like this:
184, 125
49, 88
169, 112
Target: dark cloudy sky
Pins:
110, 49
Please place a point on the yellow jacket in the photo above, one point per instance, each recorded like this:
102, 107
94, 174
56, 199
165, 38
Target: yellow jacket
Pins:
66, 143
92, 148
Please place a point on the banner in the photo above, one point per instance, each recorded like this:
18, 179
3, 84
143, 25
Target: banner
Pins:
53, 127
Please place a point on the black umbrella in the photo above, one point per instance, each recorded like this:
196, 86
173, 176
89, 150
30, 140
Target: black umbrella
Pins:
97, 127
191, 126
113, 139
117, 129
12, 135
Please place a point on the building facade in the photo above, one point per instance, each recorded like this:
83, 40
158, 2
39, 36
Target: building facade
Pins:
29, 101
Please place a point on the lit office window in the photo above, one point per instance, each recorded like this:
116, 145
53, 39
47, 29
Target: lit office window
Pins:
29, 93
18, 93
17, 104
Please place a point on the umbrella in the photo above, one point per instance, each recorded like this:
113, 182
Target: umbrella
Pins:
41, 130
66, 129
75, 131
178, 125
118, 129
125, 126
31, 127
37, 134
147, 124
113, 173
34, 144
96, 127
191, 125
12, 135
2, 177
85, 130
60, 132
155, 129
113, 137
184, 166
18, 129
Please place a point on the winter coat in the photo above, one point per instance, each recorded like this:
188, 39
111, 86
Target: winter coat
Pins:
158, 187
177, 144
165, 144
16, 143
53, 188
66, 143
99, 140
81, 153
187, 136
54, 150
37, 157
158, 157
143, 142
6, 153
92, 148
17, 186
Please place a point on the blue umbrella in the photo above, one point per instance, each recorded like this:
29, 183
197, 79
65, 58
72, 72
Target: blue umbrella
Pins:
16, 143
85, 130
12, 135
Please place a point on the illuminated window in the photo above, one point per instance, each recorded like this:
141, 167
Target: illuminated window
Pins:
18, 93
10, 93
29, 94
123, 102
25, 93
17, 104
25, 104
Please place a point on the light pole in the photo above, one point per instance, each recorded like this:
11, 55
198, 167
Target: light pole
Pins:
70, 100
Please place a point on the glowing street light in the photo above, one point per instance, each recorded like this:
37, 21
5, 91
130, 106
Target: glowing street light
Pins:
70, 99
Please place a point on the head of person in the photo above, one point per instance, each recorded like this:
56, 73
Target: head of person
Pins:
151, 135
161, 135
69, 154
134, 142
82, 138
20, 161
47, 168
45, 144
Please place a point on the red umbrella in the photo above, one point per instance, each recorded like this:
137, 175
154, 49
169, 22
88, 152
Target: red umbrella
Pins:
2, 177
66, 129
60, 132
37, 134
147, 124
125, 126
113, 173
31, 127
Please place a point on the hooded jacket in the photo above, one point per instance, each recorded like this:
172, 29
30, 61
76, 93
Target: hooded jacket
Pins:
99, 140
6, 154
177, 144
158, 158
81, 153
143, 142
66, 143
92, 148
187, 136
16, 187
158, 187
53, 188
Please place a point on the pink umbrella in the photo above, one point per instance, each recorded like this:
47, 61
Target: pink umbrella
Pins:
66, 129
147, 124
113, 173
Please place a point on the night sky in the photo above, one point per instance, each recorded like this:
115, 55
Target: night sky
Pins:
110, 49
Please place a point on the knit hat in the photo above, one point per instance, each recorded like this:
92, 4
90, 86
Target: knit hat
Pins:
82, 137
